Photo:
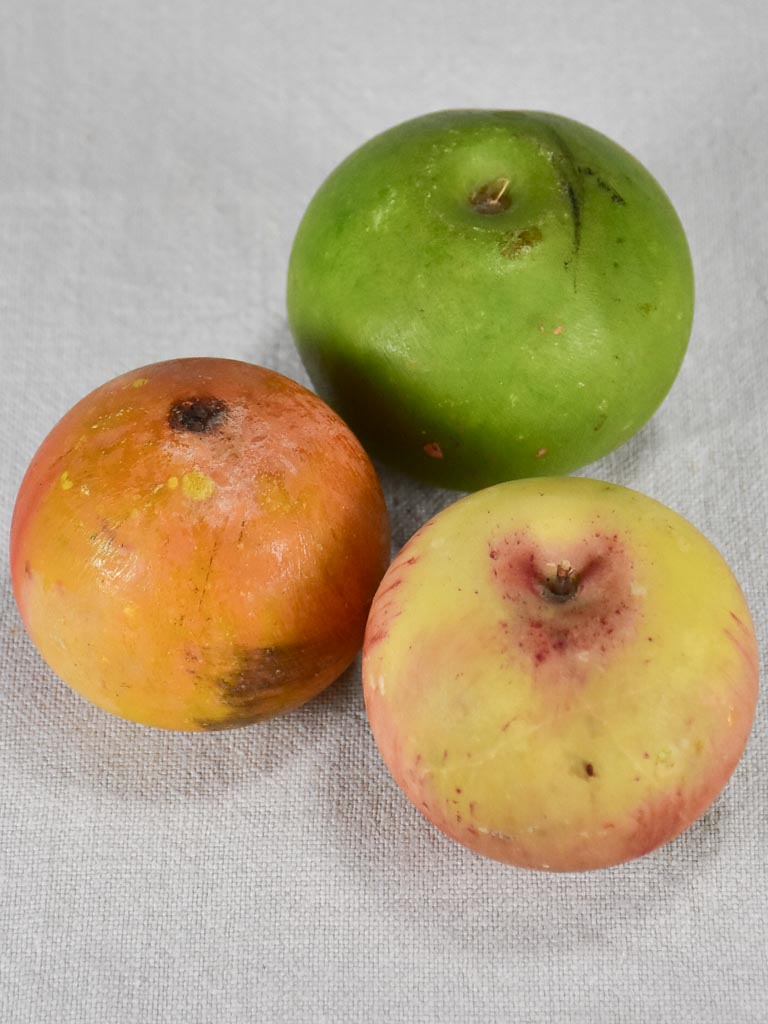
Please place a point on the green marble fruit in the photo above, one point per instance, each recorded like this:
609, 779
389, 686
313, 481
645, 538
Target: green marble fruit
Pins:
487, 295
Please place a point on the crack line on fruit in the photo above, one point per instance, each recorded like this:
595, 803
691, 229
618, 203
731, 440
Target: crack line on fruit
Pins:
64, 455
567, 176
216, 542
491, 752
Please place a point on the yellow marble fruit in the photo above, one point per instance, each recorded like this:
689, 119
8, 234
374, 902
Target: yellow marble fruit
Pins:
560, 673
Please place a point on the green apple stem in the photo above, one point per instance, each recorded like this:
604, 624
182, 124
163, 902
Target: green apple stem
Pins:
491, 198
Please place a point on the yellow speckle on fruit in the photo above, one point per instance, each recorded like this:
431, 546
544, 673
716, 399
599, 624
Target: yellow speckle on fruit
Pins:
85, 489
173, 483
558, 329
65, 482
139, 382
664, 760
129, 610
272, 495
197, 485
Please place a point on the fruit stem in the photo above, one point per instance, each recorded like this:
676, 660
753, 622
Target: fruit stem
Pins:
504, 186
564, 584
491, 198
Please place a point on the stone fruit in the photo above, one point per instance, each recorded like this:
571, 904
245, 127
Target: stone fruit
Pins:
196, 544
560, 674
486, 295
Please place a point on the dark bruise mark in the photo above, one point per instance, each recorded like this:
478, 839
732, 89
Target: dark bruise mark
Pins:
616, 197
589, 770
515, 243
262, 675
576, 215
569, 183
199, 415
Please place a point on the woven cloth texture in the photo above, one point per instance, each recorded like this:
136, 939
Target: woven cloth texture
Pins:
155, 159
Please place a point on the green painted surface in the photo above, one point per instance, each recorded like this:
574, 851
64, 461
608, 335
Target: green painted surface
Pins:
466, 347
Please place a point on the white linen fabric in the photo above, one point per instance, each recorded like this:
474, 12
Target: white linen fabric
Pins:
155, 159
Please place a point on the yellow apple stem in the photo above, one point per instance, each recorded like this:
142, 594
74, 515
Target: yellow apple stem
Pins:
564, 584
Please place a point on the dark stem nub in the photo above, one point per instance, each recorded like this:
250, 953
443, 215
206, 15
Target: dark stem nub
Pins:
563, 585
492, 197
198, 415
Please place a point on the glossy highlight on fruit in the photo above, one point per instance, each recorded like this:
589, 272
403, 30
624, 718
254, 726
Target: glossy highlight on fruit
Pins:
489, 295
560, 674
196, 544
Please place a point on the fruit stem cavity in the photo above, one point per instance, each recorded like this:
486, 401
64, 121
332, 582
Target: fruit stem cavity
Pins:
198, 415
563, 585
492, 197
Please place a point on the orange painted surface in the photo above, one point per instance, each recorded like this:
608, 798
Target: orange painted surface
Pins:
196, 544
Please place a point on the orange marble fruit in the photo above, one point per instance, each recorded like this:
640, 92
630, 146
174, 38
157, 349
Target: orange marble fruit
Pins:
196, 544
